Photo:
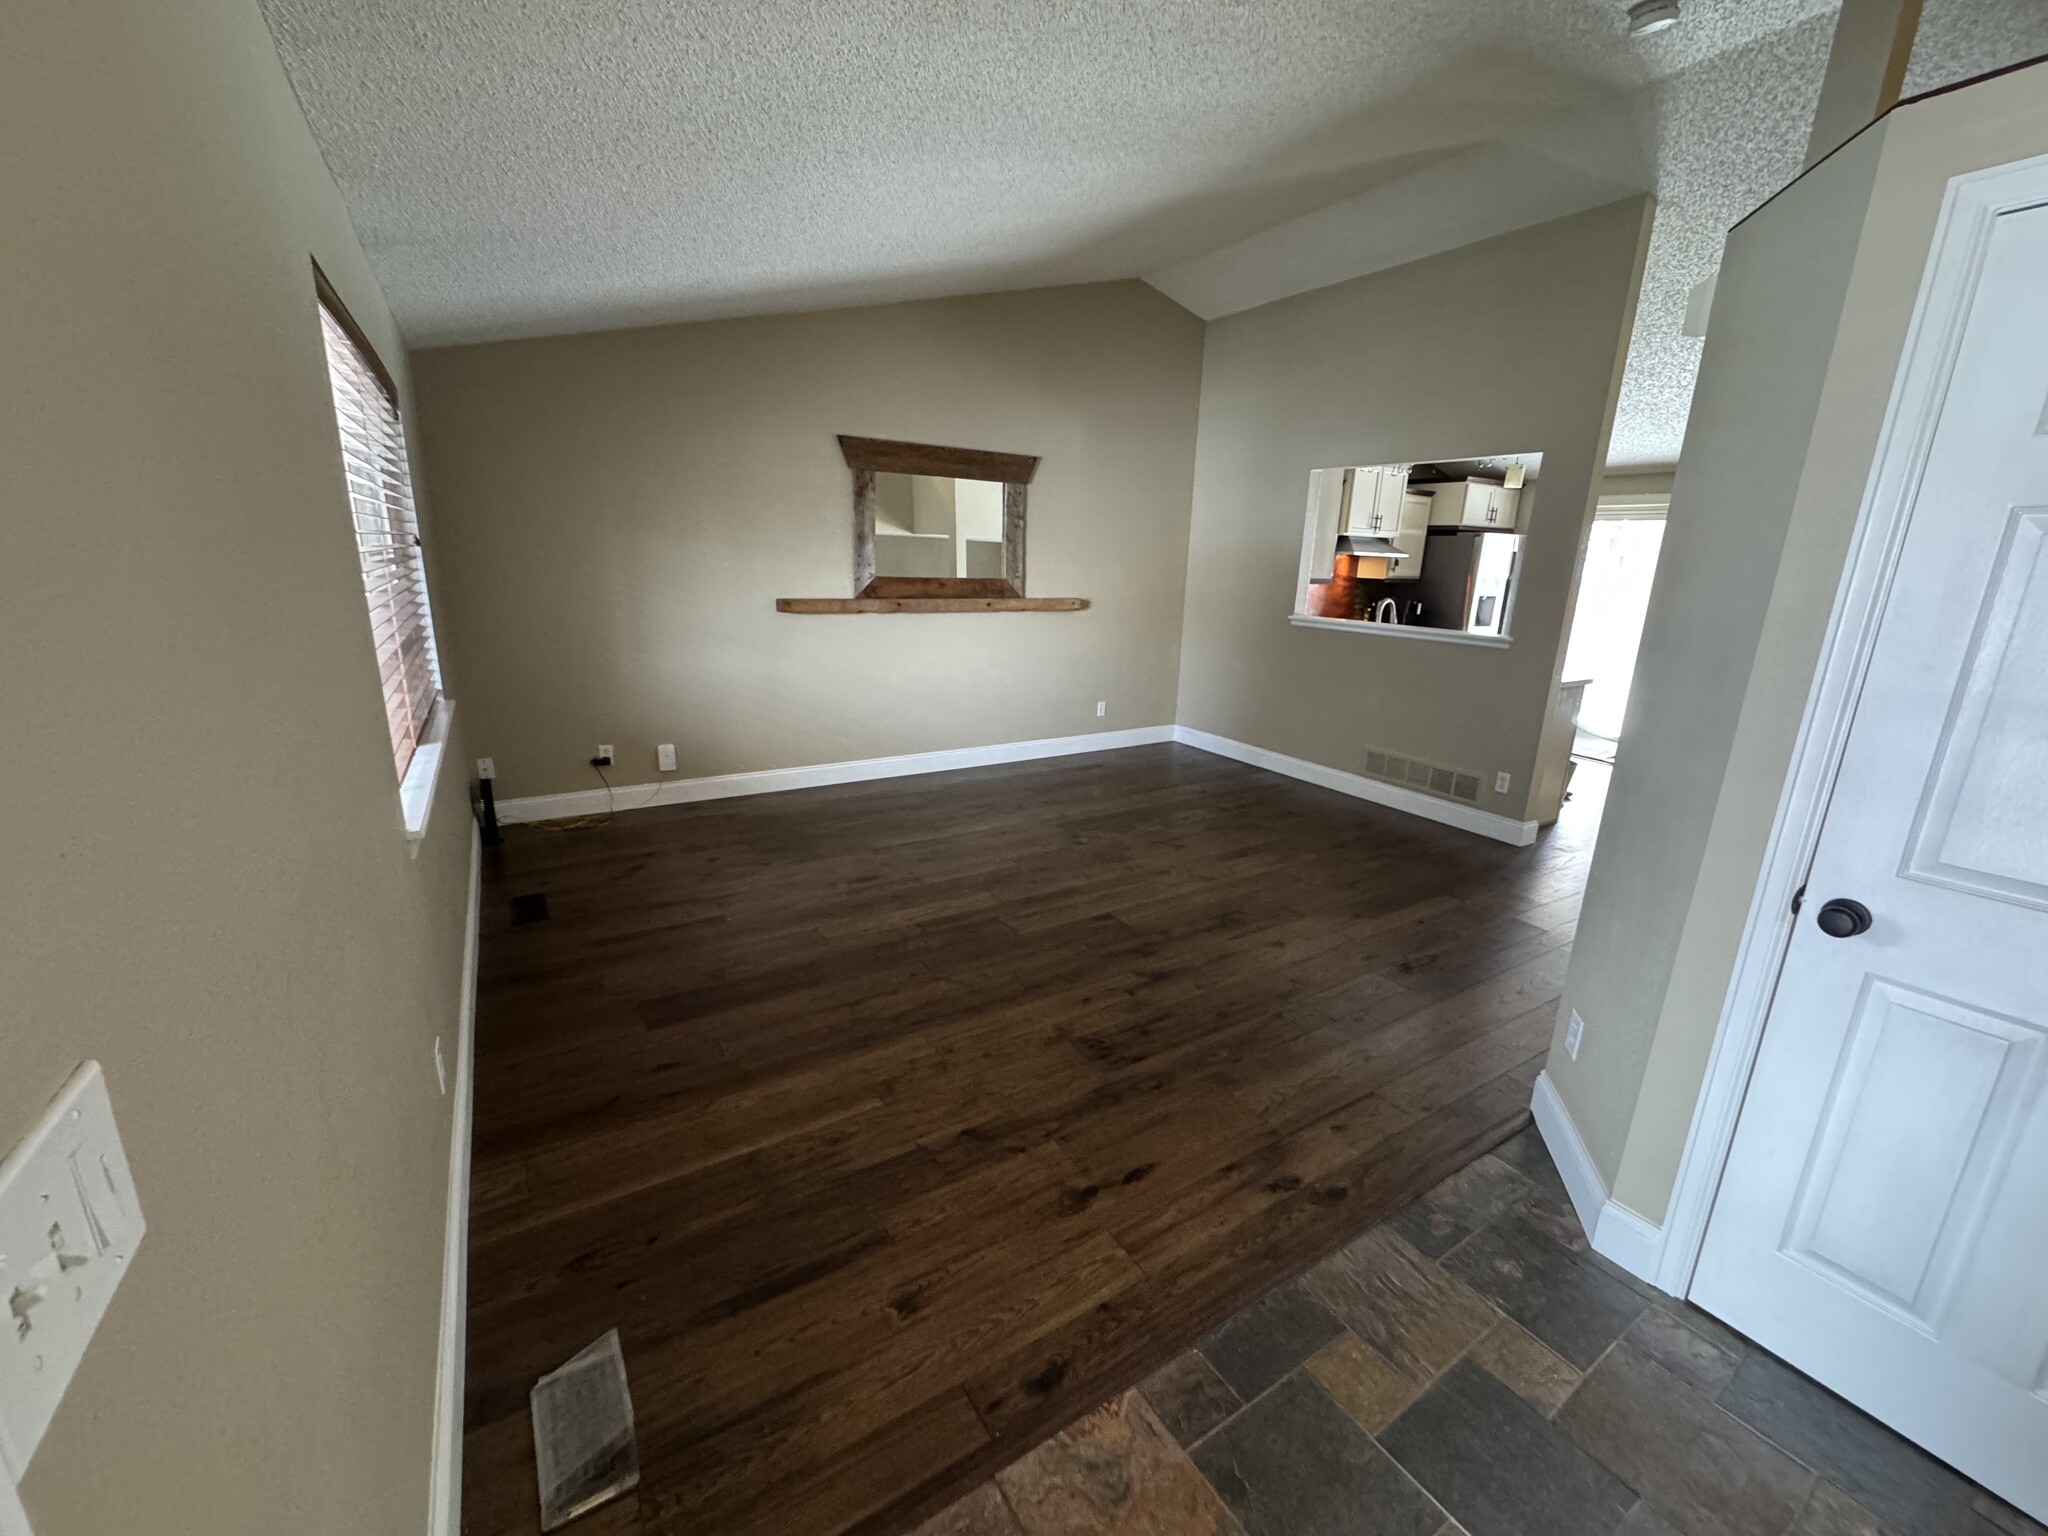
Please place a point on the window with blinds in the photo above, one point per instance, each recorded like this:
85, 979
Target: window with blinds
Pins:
387, 532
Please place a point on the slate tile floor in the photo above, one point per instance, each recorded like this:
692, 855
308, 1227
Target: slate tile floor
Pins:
1471, 1366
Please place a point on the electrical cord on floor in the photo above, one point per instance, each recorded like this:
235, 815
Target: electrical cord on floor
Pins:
584, 823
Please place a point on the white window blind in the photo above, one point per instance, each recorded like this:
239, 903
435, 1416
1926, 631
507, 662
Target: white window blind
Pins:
387, 536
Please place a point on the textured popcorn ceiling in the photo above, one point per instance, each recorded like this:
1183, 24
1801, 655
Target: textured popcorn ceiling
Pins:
522, 167
1960, 39
1731, 130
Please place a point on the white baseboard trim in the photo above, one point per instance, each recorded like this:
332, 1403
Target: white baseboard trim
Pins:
635, 797
444, 1512
1567, 1148
1631, 1240
1626, 1237
1465, 817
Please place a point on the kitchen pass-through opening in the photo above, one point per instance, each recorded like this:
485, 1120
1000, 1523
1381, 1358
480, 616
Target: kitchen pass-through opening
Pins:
1433, 546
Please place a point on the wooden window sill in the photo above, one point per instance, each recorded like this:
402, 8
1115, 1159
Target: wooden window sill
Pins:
930, 604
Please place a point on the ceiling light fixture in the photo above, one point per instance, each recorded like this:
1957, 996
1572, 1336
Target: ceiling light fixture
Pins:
1647, 16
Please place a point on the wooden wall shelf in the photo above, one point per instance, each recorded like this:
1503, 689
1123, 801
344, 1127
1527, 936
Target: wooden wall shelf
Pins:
930, 604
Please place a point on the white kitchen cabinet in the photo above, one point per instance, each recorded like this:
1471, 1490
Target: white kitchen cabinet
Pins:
1327, 490
1372, 505
1411, 534
1379, 505
1474, 504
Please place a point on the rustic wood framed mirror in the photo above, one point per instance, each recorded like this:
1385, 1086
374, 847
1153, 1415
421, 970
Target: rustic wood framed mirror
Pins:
935, 529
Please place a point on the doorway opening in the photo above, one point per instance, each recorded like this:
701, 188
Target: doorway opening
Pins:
1607, 626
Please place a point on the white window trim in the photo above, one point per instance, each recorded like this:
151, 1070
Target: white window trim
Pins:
1402, 631
423, 773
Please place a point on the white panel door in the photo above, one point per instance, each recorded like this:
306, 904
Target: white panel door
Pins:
1883, 1219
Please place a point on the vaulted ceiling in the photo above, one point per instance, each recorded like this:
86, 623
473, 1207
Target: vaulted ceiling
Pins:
522, 167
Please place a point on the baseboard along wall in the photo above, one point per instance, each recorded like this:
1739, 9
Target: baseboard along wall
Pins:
768, 781
1502, 829
634, 797
444, 1511
1623, 1236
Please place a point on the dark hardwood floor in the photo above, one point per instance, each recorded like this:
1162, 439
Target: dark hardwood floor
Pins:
894, 1125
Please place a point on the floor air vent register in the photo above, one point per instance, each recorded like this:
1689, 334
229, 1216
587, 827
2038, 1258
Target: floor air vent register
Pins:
583, 1440
1430, 778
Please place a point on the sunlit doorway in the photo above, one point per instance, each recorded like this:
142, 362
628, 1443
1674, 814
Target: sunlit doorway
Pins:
1607, 628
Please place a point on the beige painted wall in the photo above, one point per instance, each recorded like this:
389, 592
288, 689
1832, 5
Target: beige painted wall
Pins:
1783, 284
208, 887
1809, 325
1509, 346
618, 513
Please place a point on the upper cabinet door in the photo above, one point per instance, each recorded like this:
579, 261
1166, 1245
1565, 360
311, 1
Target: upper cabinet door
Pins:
1359, 486
1474, 504
1373, 504
1463, 504
1411, 533
1490, 506
1388, 495
1447, 505
1326, 489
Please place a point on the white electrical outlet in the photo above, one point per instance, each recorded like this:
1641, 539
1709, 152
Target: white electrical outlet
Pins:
69, 1224
486, 768
604, 752
1101, 708
1574, 1032
665, 757
1501, 781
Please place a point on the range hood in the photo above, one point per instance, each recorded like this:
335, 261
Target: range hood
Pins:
1371, 545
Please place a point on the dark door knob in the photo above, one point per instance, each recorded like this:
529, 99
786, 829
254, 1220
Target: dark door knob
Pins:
1843, 918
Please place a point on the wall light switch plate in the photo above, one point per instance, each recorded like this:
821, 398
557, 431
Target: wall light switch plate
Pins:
1501, 781
1101, 708
1574, 1032
69, 1225
665, 757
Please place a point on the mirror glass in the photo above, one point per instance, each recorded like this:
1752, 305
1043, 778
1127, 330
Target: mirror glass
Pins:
1429, 546
929, 525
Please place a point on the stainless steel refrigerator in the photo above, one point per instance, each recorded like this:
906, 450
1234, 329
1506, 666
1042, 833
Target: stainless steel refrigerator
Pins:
1468, 580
